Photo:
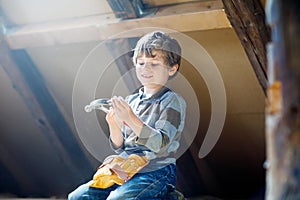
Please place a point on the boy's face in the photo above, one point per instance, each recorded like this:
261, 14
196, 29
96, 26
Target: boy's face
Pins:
153, 72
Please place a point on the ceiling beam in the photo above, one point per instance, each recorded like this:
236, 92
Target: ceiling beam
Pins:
248, 21
183, 18
31, 87
154, 3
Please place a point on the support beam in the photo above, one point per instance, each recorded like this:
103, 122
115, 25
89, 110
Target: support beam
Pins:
182, 18
154, 3
248, 20
283, 116
29, 84
124, 62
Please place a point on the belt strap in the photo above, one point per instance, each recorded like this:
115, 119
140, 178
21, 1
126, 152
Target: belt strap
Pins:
119, 171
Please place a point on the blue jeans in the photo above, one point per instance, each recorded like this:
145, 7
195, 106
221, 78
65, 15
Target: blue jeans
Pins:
152, 185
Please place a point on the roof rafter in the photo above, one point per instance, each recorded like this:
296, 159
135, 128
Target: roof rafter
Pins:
31, 87
248, 21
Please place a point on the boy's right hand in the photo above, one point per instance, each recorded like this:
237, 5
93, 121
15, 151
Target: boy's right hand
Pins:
111, 119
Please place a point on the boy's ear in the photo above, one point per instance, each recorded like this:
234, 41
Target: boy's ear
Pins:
173, 70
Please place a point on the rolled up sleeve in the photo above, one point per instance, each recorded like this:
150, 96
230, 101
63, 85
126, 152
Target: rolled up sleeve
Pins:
118, 150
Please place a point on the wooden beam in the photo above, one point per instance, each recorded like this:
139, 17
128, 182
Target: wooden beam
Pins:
283, 116
117, 47
29, 84
186, 17
154, 3
248, 20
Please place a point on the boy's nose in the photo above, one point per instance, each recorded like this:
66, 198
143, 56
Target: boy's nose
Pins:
147, 66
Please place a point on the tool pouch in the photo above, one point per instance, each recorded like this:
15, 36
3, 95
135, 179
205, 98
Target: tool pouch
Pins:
118, 170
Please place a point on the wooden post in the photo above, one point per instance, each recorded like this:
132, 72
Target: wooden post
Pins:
248, 20
283, 108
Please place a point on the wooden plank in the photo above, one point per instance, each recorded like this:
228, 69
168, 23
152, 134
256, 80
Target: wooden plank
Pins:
190, 8
29, 84
154, 3
248, 20
283, 110
98, 28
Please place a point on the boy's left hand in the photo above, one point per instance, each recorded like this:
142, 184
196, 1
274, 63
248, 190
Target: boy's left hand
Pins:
121, 109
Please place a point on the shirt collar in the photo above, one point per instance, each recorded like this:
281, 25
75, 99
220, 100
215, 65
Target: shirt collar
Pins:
157, 95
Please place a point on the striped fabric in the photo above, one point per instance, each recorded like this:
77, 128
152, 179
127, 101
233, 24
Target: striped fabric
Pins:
163, 115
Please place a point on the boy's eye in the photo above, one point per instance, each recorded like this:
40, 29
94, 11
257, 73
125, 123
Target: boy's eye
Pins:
154, 64
149, 64
140, 63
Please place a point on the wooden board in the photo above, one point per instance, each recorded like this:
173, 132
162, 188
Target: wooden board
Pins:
184, 18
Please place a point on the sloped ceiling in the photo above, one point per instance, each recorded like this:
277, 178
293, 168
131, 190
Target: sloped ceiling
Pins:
28, 159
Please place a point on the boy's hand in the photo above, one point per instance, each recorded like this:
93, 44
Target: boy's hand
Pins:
111, 119
122, 110
124, 113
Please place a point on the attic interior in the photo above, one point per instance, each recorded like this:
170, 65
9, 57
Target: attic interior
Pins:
55, 57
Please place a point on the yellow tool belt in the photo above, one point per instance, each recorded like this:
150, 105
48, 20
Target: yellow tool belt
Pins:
116, 169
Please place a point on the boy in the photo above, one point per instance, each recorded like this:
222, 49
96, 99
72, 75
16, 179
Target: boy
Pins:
147, 123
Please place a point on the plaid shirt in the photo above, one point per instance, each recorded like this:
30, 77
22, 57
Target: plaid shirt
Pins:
163, 115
